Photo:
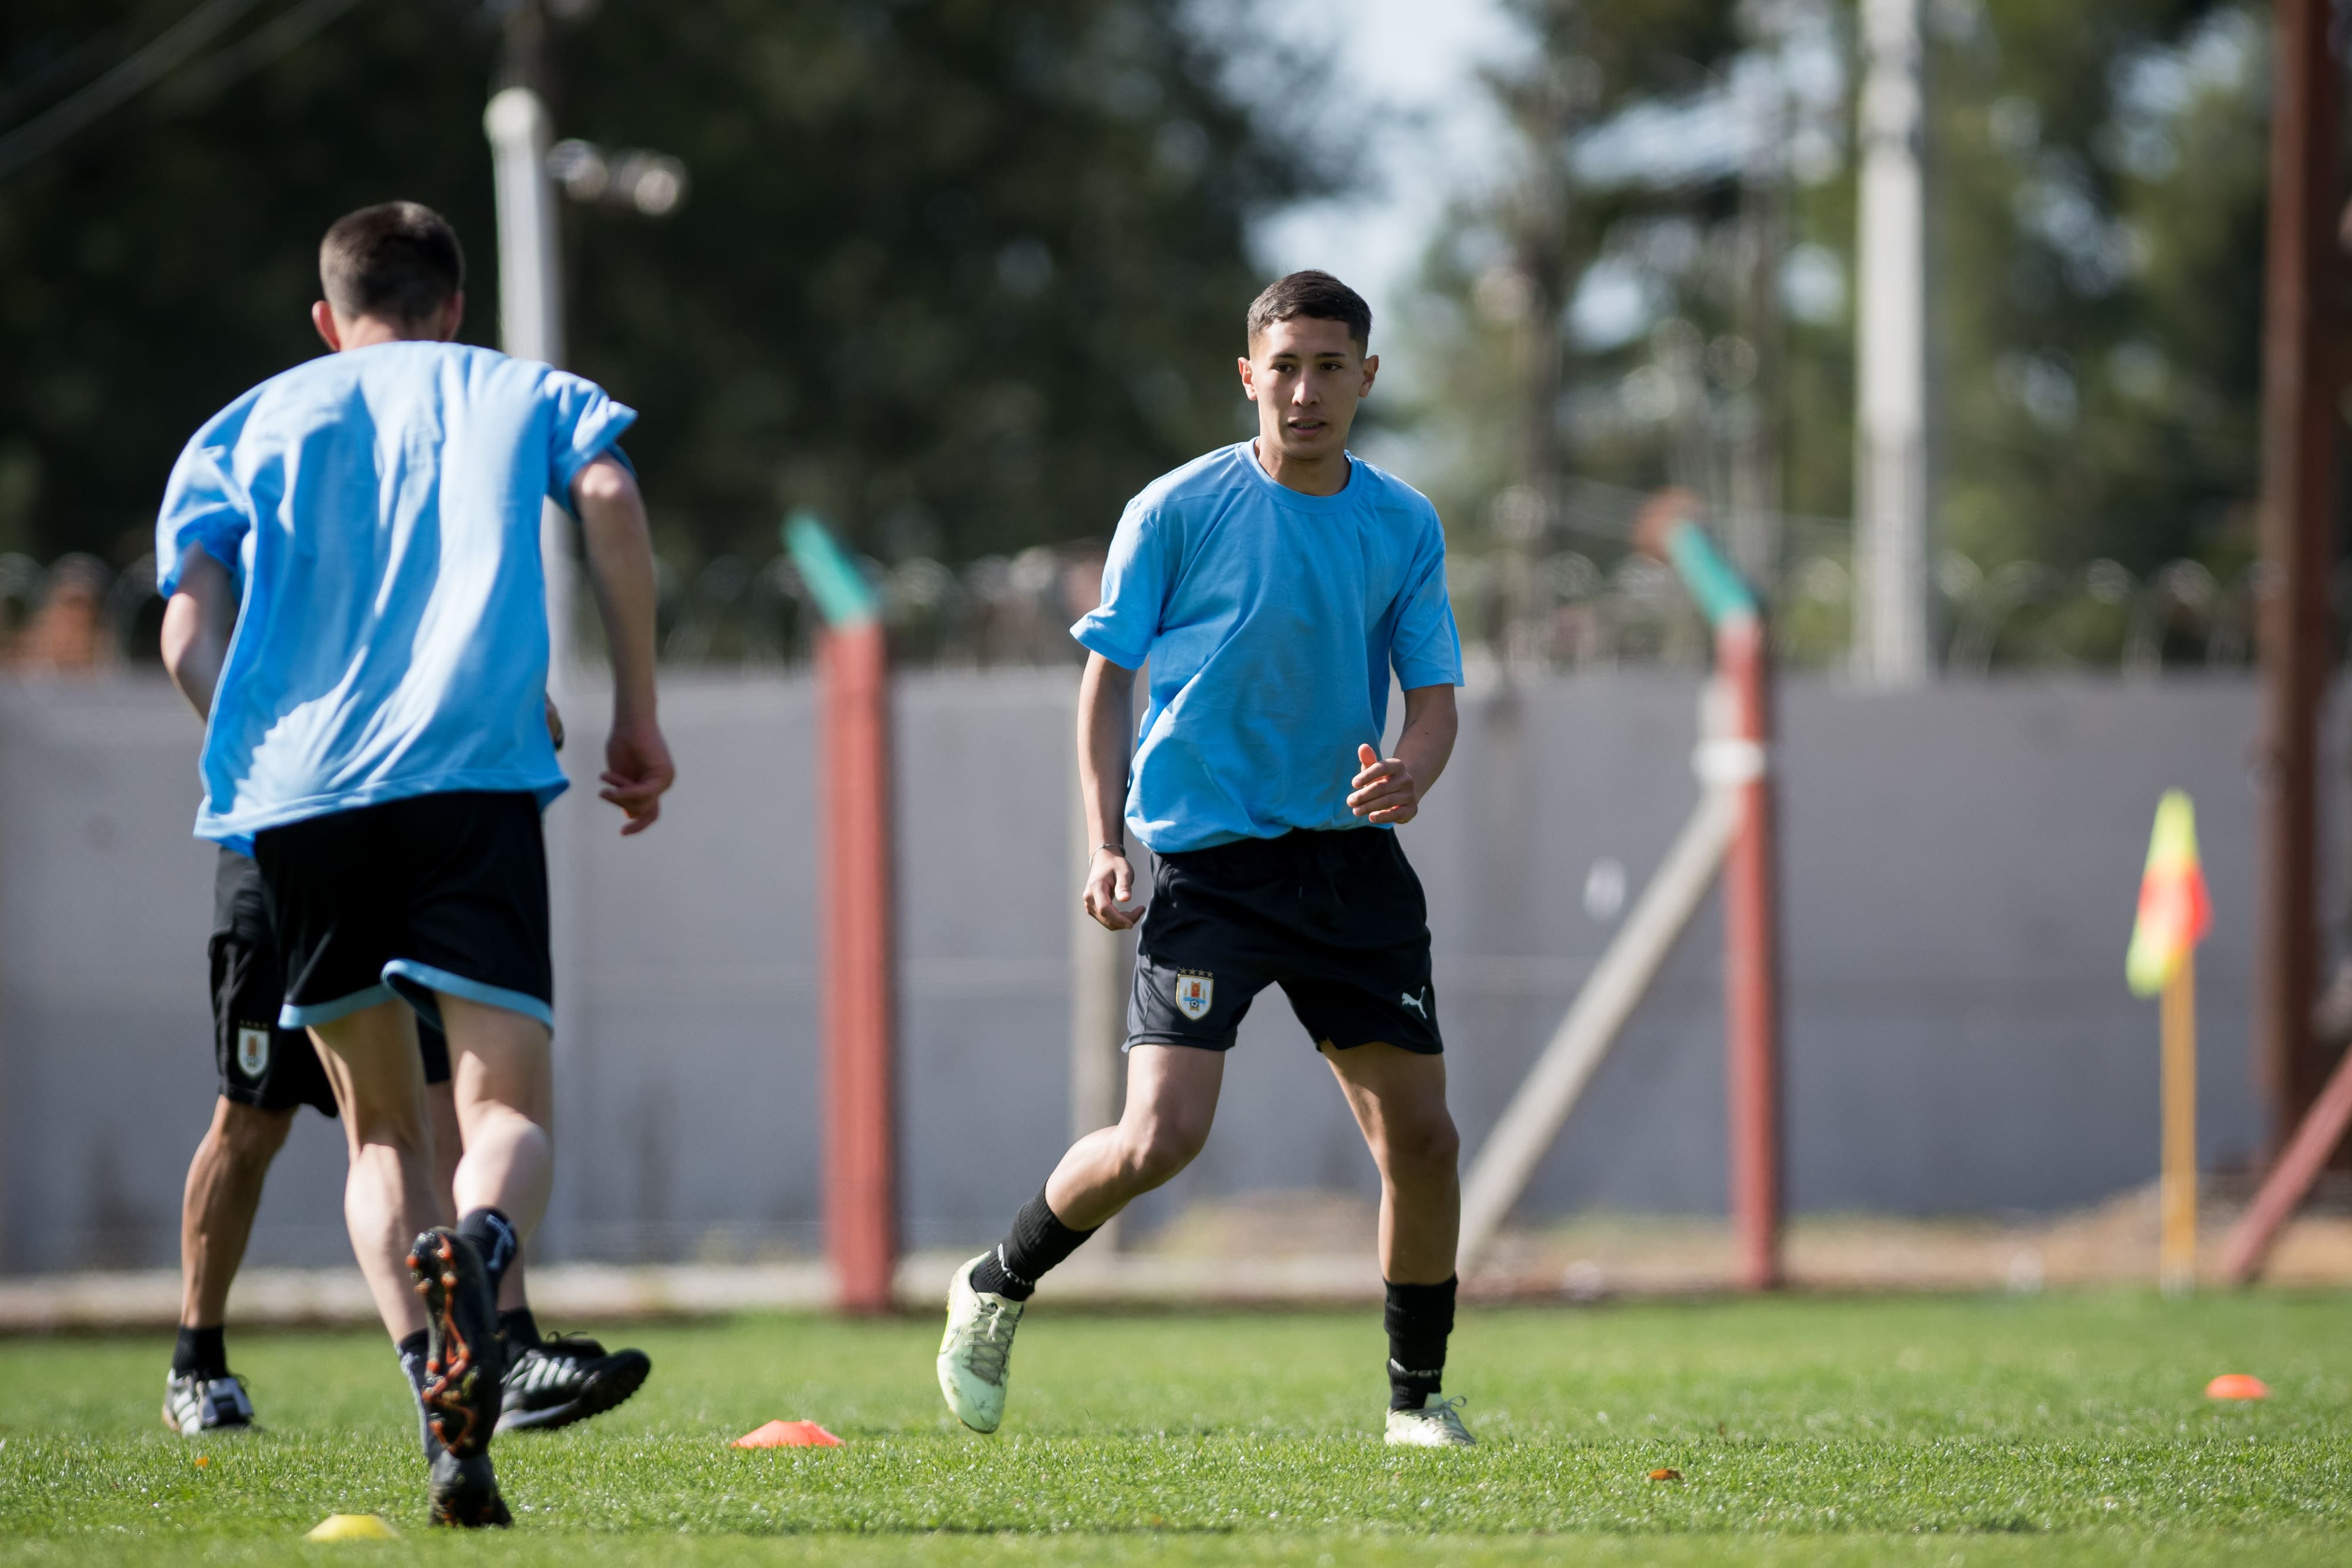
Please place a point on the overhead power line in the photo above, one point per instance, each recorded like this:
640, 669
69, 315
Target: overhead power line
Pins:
256, 49
175, 45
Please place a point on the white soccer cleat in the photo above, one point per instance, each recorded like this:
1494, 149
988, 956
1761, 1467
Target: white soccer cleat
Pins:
193, 1405
1437, 1426
973, 1354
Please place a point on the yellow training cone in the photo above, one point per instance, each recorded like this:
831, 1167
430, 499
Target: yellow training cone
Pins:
352, 1527
2173, 910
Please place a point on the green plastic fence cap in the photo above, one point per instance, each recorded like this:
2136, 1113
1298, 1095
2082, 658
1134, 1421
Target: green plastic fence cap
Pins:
842, 595
1722, 594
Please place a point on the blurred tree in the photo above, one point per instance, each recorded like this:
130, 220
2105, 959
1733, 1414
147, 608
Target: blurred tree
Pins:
2099, 187
1502, 282
157, 264
2097, 184
962, 274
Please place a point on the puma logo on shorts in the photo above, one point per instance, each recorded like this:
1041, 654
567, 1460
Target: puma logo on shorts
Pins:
1334, 917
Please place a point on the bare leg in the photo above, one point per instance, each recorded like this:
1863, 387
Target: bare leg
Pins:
448, 1148
1399, 1099
1172, 1099
371, 1060
501, 1070
216, 1210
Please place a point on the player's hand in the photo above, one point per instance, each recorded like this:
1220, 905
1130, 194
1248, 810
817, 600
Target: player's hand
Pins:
637, 769
1110, 882
554, 724
1385, 790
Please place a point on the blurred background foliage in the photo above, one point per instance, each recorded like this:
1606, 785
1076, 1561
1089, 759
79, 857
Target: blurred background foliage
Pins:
1661, 291
963, 276
960, 275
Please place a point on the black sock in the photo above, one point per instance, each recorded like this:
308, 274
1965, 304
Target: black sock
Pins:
1419, 1318
1036, 1242
493, 1236
411, 1352
200, 1351
518, 1329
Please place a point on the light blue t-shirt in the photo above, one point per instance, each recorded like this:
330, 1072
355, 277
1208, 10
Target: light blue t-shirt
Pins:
380, 508
1271, 620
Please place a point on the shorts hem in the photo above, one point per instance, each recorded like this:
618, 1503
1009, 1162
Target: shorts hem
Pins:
289, 1016
490, 996
252, 1099
1433, 1047
1163, 1036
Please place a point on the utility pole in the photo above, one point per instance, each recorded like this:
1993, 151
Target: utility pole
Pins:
2304, 318
1891, 644
531, 271
1543, 262
531, 326
1755, 409
1542, 106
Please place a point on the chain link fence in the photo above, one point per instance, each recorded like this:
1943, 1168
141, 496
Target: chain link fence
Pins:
1571, 596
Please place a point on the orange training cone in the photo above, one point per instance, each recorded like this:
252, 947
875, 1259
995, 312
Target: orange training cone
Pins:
788, 1435
2236, 1385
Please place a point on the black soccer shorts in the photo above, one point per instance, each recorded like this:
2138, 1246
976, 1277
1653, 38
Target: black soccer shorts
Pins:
261, 1064
1336, 919
433, 893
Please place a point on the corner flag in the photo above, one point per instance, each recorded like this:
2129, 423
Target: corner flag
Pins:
2173, 910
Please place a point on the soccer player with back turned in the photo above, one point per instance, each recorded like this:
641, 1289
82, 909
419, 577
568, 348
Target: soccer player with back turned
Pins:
1272, 586
377, 740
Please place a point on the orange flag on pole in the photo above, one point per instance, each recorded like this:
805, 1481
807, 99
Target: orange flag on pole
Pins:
2174, 912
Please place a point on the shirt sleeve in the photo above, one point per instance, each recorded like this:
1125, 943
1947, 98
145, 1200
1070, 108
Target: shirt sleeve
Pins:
1134, 591
203, 504
1426, 648
586, 424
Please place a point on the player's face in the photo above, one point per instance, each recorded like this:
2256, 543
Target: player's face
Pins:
1307, 376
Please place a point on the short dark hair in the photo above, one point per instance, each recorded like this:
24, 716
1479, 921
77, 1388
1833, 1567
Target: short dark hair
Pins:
398, 261
1318, 296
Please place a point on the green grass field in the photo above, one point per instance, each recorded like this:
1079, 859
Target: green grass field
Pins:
2058, 1429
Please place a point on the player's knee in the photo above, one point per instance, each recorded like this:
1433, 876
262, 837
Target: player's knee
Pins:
251, 1138
401, 1128
1424, 1147
1156, 1152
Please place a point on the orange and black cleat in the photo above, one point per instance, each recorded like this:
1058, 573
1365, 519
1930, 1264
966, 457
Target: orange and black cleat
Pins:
465, 1361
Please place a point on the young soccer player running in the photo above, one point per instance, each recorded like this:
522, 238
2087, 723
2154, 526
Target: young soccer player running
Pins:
377, 740
268, 1073
1272, 586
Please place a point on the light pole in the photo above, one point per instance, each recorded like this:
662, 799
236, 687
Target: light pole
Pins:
531, 326
530, 311
1891, 638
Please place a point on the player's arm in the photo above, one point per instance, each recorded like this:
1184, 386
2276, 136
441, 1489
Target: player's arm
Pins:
197, 622
619, 551
1389, 789
1106, 747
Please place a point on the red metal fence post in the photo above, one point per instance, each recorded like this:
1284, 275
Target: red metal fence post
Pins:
861, 1178
1737, 756
2303, 314
1751, 962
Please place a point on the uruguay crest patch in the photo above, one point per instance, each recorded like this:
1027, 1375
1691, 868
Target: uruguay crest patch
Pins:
1193, 991
252, 1051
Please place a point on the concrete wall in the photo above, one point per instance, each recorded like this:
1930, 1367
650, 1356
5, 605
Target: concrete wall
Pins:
1961, 868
